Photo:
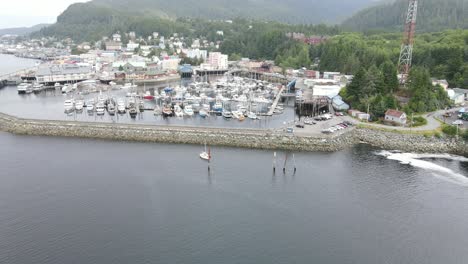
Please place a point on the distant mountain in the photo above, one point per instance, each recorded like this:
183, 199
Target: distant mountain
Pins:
433, 15
291, 11
21, 31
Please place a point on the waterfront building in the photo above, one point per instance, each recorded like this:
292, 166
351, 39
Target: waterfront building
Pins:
64, 73
395, 117
217, 60
170, 64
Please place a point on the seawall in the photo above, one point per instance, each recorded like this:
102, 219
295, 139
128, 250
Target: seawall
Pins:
244, 138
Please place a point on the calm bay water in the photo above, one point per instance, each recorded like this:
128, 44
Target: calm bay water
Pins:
10, 64
68, 200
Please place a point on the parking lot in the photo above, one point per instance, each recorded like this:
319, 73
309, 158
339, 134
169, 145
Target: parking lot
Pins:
335, 125
450, 119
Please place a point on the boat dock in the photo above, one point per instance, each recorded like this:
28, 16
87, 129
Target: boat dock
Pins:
275, 103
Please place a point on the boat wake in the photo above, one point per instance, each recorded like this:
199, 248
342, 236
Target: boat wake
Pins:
416, 160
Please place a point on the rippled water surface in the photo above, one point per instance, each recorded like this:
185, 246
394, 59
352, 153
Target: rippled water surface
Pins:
67, 200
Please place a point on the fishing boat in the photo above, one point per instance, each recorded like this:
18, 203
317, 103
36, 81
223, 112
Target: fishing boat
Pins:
132, 111
111, 108
38, 87
227, 114
178, 111
203, 113
79, 105
90, 107
167, 111
252, 115
148, 96
206, 155
23, 87
121, 107
188, 110
69, 106
100, 108
218, 108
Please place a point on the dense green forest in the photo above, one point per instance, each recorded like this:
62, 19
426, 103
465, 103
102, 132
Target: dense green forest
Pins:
443, 54
291, 11
86, 22
433, 15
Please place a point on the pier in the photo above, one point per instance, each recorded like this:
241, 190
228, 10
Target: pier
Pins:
275, 103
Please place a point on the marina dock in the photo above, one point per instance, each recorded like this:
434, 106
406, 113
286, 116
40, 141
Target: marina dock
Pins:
275, 103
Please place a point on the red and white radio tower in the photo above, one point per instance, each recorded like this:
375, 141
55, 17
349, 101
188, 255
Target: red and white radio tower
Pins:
406, 53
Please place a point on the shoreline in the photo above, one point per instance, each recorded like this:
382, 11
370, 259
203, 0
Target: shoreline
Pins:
232, 137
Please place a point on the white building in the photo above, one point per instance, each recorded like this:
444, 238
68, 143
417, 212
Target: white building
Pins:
218, 61
395, 117
170, 64
63, 73
116, 37
131, 46
196, 53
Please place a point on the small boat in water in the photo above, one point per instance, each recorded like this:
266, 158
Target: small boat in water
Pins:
148, 96
132, 111
23, 88
206, 155
100, 108
252, 115
178, 111
111, 108
167, 111
188, 110
38, 87
69, 106
203, 113
227, 114
79, 105
121, 107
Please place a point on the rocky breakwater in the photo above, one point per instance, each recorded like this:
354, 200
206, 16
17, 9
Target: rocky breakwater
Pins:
246, 138
411, 142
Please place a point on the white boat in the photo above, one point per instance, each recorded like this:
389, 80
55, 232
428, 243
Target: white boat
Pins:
252, 115
79, 104
57, 85
66, 88
90, 107
23, 88
37, 87
121, 107
100, 108
203, 113
188, 110
69, 105
111, 108
178, 111
227, 114
206, 155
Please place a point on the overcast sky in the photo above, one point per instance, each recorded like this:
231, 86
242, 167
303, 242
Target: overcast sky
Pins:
25, 13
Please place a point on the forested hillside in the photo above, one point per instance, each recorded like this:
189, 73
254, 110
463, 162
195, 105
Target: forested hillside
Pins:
433, 15
291, 11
